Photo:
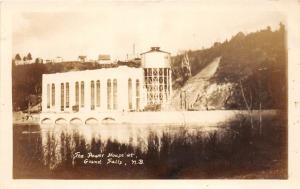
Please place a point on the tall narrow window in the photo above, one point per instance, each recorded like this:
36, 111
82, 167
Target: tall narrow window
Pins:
137, 95
109, 94
82, 94
53, 95
62, 97
92, 95
77, 93
115, 94
67, 95
129, 94
48, 96
98, 93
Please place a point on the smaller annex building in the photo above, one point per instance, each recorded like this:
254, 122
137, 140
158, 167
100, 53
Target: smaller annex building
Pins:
115, 89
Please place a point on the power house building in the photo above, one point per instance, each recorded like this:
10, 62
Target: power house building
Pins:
119, 89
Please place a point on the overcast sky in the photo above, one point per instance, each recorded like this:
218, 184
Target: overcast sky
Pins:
114, 29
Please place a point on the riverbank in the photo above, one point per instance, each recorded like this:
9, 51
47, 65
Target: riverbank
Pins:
207, 118
20, 118
212, 117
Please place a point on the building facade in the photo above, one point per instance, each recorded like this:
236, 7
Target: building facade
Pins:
107, 89
116, 89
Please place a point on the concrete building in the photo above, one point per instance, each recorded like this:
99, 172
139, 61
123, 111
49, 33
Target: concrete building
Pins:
119, 89
107, 89
104, 59
58, 59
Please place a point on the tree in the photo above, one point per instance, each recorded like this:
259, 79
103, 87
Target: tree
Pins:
29, 57
18, 57
38, 60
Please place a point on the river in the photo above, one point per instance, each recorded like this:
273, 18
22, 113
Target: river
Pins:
107, 150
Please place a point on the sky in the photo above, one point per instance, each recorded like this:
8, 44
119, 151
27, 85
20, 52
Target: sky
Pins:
114, 29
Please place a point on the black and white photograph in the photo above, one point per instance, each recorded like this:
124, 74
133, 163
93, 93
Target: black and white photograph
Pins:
191, 95
153, 90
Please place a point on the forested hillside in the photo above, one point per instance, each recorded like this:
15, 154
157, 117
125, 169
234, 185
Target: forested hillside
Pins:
254, 65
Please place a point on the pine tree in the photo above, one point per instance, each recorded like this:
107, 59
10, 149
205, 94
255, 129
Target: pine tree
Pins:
29, 57
18, 57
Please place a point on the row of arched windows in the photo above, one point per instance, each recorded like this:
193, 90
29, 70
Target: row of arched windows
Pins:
95, 87
64, 92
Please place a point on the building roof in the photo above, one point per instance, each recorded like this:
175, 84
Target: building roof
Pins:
155, 49
104, 57
119, 69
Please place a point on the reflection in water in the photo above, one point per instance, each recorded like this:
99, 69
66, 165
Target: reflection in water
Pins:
61, 141
168, 151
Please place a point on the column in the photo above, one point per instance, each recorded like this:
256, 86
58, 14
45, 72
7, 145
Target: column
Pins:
72, 95
87, 95
57, 96
103, 94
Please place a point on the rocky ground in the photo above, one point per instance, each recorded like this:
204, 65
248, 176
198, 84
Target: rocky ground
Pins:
199, 93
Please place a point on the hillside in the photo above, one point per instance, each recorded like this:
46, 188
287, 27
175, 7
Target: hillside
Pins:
195, 92
251, 73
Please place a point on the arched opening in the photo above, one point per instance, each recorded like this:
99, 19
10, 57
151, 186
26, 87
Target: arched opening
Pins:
46, 121
91, 121
76, 121
61, 121
108, 120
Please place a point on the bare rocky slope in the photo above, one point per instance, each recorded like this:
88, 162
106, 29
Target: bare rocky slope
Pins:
200, 93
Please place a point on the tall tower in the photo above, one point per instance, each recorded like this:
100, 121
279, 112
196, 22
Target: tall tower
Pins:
158, 77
